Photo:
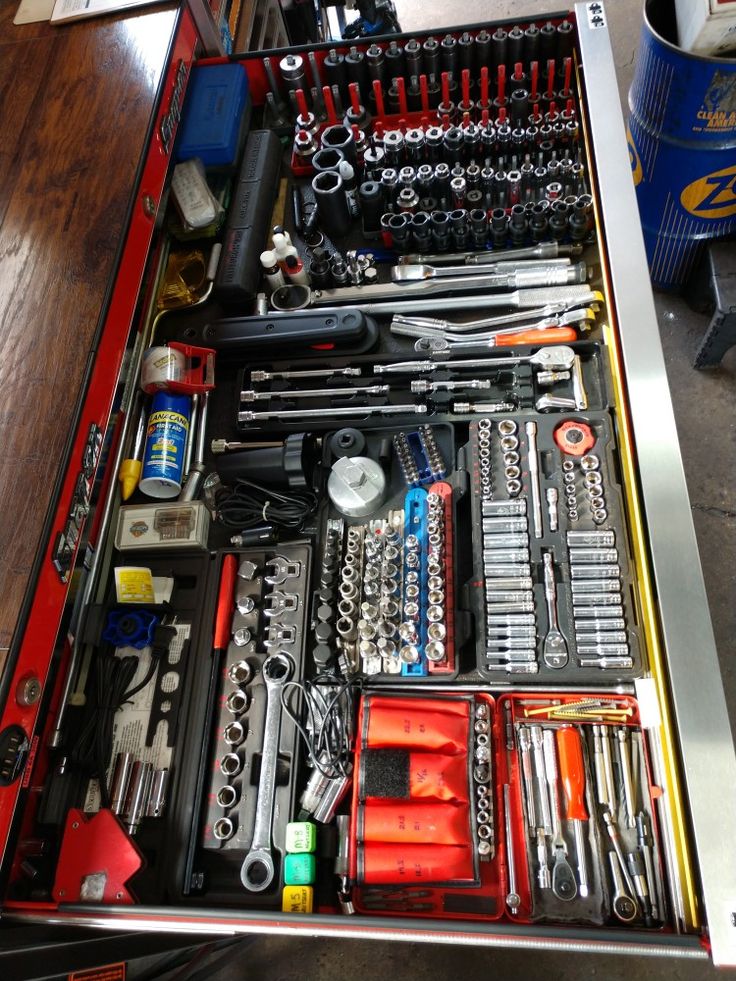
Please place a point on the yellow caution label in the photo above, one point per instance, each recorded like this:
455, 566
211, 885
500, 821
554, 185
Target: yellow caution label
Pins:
712, 196
134, 585
297, 899
637, 172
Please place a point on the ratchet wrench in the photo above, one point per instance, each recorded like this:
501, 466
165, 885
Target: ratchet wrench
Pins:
258, 870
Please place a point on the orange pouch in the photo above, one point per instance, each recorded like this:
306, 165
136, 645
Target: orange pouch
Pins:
415, 821
430, 724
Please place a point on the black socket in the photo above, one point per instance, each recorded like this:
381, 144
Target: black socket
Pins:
539, 222
440, 230
431, 56
339, 137
376, 64
482, 50
531, 44
479, 227
336, 72
565, 42
499, 227
370, 195
421, 229
448, 55
357, 71
519, 108
328, 158
332, 204
319, 269
547, 45
558, 219
466, 56
400, 228
499, 47
414, 94
413, 58
515, 49
518, 224
395, 64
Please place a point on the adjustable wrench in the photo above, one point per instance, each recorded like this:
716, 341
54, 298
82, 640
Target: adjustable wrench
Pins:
257, 870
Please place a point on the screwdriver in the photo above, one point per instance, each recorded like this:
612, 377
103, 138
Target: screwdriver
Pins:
572, 773
225, 604
130, 469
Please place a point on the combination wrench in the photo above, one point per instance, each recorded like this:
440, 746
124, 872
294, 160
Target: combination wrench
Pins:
257, 870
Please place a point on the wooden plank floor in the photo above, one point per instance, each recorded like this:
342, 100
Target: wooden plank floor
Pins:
75, 103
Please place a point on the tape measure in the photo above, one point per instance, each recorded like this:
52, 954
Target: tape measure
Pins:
574, 438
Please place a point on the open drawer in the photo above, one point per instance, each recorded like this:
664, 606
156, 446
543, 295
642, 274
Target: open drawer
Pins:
422, 649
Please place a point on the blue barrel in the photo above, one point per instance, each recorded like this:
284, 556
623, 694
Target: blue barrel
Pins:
682, 145
166, 439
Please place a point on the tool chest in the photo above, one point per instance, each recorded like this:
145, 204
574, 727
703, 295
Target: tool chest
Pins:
370, 603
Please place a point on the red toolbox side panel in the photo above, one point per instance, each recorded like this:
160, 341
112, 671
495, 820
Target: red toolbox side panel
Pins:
51, 588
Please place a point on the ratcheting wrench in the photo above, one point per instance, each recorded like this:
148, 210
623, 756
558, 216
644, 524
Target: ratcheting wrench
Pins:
257, 871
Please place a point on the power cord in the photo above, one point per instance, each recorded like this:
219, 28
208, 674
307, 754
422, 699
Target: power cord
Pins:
248, 505
322, 713
110, 691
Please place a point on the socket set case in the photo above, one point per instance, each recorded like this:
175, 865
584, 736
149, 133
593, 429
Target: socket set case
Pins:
402, 629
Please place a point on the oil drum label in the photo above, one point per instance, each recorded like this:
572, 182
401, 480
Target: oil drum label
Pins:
637, 172
712, 196
717, 112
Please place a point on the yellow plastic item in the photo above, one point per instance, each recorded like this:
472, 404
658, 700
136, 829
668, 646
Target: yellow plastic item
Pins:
297, 899
129, 475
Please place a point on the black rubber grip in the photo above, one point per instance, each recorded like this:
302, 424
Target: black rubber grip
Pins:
300, 328
249, 216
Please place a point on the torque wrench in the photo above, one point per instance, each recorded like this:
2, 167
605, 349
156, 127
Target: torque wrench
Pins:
257, 871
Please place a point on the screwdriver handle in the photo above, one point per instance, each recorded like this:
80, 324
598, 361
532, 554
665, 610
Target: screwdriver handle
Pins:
225, 601
572, 772
550, 335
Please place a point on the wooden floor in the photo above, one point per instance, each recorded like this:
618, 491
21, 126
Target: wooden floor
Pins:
75, 103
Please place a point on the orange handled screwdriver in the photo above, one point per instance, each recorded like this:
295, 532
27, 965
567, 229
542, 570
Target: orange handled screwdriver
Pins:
550, 335
572, 774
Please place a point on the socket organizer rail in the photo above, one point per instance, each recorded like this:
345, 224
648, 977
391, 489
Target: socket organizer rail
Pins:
389, 573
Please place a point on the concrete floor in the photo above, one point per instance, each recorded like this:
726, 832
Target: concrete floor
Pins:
706, 419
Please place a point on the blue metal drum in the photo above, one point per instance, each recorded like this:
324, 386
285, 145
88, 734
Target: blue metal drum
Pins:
682, 144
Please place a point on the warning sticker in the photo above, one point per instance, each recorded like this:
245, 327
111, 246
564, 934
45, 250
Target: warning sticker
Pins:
110, 972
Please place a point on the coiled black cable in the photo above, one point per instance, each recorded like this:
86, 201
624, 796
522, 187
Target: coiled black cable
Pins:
323, 717
247, 505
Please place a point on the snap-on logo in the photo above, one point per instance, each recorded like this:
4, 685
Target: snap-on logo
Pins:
712, 196
636, 169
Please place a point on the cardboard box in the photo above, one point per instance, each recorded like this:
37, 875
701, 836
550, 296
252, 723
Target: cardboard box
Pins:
707, 27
